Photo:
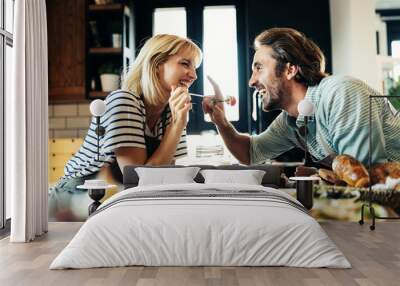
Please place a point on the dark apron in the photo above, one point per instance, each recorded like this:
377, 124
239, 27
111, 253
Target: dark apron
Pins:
309, 160
152, 143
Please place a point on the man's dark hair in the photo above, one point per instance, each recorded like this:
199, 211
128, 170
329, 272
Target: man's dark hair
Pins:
291, 46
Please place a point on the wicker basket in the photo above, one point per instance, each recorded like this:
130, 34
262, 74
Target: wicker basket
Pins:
382, 197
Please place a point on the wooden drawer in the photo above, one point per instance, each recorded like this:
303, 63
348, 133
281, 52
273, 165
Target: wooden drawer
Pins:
60, 151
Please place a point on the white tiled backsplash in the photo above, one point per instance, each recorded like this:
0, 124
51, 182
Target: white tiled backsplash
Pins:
68, 120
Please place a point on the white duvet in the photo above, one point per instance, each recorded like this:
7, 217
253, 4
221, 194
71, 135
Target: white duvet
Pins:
185, 230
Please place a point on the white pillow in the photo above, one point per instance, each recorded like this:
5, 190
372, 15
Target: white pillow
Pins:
248, 177
166, 176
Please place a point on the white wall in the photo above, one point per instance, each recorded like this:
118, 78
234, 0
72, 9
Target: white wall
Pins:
382, 30
354, 39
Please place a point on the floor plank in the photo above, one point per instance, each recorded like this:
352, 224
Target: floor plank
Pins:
374, 255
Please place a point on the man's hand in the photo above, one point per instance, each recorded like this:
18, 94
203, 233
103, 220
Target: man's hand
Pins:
214, 109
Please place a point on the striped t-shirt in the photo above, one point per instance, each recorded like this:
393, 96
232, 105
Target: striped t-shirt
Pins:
125, 126
340, 125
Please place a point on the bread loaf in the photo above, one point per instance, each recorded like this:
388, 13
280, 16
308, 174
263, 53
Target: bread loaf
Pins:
330, 177
350, 170
380, 172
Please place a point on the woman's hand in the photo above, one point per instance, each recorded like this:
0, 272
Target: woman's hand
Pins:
180, 104
213, 106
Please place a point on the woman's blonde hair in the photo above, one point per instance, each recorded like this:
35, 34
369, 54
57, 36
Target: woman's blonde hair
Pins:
142, 78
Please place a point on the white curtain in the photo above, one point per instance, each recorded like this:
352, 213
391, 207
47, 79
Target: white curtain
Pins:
27, 123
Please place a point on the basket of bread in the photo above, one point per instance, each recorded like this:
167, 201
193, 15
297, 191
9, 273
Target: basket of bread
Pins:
350, 175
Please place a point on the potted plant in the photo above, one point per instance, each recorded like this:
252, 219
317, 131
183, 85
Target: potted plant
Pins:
395, 91
109, 77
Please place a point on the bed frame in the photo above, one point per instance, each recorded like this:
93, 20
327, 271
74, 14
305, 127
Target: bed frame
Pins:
272, 178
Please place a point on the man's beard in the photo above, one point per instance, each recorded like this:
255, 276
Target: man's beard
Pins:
275, 95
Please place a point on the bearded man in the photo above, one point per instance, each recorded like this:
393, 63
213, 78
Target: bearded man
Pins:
287, 68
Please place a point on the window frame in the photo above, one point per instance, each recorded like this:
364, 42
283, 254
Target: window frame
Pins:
393, 33
392, 19
194, 29
6, 39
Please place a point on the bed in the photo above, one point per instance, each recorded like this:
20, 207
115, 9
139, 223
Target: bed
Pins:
201, 224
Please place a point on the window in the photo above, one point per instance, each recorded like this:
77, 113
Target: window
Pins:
169, 21
220, 53
9, 15
396, 53
220, 31
8, 70
6, 44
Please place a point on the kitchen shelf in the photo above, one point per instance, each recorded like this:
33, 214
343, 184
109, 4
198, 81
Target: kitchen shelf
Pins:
116, 7
98, 94
105, 50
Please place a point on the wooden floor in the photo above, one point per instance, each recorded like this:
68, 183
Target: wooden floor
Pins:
374, 255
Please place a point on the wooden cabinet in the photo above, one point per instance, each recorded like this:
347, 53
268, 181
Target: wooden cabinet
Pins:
66, 49
80, 46
106, 54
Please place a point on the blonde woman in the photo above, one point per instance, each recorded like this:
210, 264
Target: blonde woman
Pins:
145, 122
